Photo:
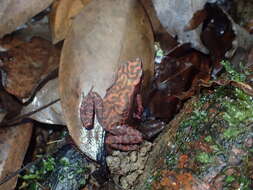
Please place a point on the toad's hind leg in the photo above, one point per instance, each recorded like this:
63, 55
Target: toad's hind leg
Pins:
124, 138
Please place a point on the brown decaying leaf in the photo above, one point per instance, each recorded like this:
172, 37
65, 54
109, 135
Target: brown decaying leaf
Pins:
179, 77
13, 145
61, 16
26, 64
223, 82
104, 35
196, 20
14, 13
166, 41
217, 35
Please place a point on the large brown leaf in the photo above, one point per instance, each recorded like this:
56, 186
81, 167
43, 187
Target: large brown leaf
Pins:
63, 11
14, 13
104, 35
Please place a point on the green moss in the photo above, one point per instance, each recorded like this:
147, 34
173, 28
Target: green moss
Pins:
158, 51
204, 158
230, 179
239, 108
35, 174
233, 74
197, 117
231, 133
208, 139
47, 165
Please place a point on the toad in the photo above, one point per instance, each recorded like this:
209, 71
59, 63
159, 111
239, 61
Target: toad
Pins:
120, 105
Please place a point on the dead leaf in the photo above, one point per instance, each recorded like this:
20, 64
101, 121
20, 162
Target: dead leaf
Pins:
166, 41
196, 20
175, 17
14, 13
217, 35
181, 70
26, 64
104, 35
38, 27
224, 82
62, 14
179, 76
13, 145
164, 107
51, 114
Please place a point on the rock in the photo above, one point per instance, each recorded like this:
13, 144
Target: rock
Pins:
126, 167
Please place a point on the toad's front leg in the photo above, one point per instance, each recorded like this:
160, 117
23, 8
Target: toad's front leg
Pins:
124, 137
91, 103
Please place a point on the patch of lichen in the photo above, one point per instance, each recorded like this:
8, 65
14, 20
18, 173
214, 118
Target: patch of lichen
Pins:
220, 123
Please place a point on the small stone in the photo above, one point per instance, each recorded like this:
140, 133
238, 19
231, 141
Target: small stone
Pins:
124, 183
249, 142
132, 178
116, 153
113, 163
125, 168
134, 167
145, 149
133, 156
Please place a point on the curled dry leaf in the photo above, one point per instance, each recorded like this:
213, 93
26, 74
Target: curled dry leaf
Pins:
179, 75
104, 35
62, 14
175, 17
51, 114
26, 64
37, 26
14, 13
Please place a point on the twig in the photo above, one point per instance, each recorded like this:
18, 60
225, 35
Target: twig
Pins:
55, 141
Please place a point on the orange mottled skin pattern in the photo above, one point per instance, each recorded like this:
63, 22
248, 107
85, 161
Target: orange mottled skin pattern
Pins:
116, 109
